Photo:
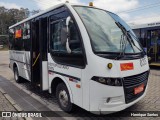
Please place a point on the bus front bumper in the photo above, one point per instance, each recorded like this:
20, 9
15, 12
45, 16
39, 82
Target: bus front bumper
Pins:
115, 103
115, 107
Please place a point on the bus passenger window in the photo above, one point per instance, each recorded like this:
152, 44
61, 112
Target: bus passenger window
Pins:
74, 41
19, 45
55, 37
58, 49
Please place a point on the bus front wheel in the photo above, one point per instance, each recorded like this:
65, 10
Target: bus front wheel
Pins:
63, 98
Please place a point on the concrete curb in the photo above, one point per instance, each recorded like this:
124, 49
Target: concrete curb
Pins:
17, 107
2, 91
13, 103
50, 106
36, 97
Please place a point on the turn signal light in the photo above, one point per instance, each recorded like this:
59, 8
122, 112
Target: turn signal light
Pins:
78, 86
109, 65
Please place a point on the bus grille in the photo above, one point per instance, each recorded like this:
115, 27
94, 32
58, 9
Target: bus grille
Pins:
134, 81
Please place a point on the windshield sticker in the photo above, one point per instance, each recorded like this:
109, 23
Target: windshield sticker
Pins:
126, 66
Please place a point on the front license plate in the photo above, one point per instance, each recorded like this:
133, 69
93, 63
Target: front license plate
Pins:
139, 89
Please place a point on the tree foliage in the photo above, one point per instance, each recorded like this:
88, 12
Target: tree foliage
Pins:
9, 17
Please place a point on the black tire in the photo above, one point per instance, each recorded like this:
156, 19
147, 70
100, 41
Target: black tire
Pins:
16, 75
66, 106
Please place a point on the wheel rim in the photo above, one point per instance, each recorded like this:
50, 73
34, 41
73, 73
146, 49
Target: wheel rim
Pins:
63, 98
16, 75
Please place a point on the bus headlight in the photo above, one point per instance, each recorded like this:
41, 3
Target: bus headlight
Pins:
108, 81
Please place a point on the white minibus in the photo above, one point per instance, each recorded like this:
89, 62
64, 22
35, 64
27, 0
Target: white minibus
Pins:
86, 56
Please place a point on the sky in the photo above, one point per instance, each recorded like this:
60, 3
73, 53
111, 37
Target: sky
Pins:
132, 11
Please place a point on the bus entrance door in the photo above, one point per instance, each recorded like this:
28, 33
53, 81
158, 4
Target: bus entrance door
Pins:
43, 43
39, 62
35, 53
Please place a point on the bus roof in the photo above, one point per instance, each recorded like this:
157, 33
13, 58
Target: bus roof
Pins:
48, 10
146, 25
45, 11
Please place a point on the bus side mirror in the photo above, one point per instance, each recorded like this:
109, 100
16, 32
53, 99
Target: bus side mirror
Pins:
68, 34
65, 35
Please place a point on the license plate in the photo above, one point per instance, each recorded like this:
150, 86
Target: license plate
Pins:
139, 89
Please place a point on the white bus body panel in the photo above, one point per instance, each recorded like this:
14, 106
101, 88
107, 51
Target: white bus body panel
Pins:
99, 92
88, 50
64, 72
94, 93
45, 78
22, 60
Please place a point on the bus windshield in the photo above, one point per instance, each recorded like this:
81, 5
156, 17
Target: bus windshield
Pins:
106, 36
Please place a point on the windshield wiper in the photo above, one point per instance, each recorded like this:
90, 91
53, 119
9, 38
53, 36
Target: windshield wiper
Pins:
128, 34
123, 41
122, 47
131, 34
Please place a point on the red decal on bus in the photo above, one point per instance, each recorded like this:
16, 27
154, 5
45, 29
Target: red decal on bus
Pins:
18, 34
126, 66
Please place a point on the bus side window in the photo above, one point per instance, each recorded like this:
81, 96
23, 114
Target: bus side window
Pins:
26, 36
58, 49
18, 39
55, 36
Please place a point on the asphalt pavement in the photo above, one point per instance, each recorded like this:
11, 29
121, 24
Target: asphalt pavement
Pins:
38, 99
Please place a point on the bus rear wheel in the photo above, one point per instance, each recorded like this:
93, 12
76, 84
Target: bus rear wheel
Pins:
63, 98
16, 75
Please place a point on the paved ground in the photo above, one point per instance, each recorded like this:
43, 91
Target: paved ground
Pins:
4, 65
151, 102
5, 105
24, 100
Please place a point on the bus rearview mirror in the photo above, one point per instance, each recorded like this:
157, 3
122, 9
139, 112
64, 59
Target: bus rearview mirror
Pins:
65, 35
68, 34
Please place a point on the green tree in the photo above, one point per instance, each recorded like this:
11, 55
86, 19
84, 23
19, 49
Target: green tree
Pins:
9, 17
